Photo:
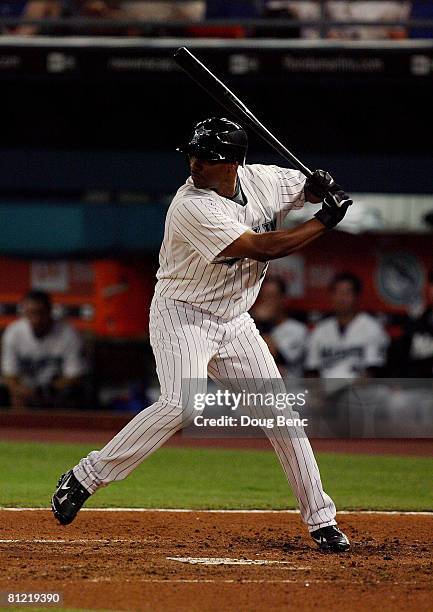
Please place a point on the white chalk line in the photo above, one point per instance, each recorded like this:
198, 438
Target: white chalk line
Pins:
202, 511
287, 565
220, 581
241, 581
80, 541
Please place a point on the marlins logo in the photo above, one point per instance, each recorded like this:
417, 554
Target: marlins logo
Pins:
269, 226
199, 133
400, 278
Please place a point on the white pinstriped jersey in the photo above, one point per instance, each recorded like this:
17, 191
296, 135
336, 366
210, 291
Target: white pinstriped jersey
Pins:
348, 353
200, 224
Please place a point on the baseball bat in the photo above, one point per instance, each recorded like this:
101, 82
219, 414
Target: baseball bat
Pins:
222, 94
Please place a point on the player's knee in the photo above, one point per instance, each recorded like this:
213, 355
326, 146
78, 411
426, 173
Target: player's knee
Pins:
177, 406
171, 401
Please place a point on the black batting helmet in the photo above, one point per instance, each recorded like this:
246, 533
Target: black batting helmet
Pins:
217, 139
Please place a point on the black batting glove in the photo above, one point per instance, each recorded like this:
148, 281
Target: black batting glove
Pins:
320, 184
335, 200
334, 207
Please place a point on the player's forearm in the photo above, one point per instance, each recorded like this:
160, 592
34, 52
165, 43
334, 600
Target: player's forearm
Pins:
273, 245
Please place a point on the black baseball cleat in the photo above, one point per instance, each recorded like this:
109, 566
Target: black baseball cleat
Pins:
68, 498
330, 539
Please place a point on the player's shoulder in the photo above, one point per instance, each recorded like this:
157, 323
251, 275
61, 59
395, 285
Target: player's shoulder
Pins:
258, 170
16, 329
188, 197
291, 327
270, 171
255, 168
368, 323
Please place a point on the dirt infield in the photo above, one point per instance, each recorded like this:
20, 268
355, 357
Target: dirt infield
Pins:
124, 561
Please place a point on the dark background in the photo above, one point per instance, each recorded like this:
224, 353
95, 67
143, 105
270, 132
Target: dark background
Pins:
90, 127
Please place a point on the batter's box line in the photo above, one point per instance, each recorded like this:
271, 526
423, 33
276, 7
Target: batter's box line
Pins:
79, 541
238, 581
285, 565
203, 511
215, 581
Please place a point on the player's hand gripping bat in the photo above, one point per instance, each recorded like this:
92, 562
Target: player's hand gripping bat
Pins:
222, 94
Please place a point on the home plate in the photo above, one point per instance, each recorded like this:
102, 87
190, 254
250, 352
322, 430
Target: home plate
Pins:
228, 561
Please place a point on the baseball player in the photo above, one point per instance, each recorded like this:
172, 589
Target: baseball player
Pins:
350, 344
222, 228
42, 360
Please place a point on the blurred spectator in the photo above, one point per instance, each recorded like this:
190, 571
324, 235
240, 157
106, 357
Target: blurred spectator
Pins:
42, 360
345, 350
146, 10
422, 9
56, 9
337, 10
411, 356
161, 12
107, 9
285, 337
350, 344
38, 9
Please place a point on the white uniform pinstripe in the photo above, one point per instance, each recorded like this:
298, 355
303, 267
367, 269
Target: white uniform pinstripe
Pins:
199, 327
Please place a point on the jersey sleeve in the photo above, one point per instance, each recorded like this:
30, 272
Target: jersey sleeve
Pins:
290, 188
375, 353
9, 356
74, 362
290, 341
205, 227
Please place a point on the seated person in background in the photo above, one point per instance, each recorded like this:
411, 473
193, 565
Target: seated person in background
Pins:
339, 10
162, 10
38, 9
285, 337
351, 344
59, 9
411, 355
369, 11
42, 360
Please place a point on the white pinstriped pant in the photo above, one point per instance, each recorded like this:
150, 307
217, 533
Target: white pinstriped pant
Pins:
191, 344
